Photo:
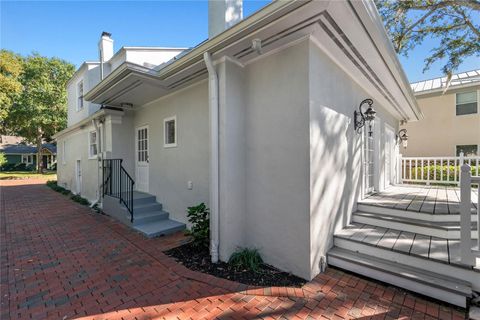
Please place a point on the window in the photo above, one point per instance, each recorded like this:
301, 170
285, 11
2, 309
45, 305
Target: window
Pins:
92, 144
80, 96
64, 157
27, 159
170, 132
468, 150
466, 103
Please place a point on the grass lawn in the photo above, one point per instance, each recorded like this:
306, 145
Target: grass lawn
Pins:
50, 175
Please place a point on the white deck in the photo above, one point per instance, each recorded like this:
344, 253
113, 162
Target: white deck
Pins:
419, 198
413, 244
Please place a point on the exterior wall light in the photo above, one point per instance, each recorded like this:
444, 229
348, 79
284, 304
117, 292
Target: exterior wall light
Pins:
402, 136
362, 117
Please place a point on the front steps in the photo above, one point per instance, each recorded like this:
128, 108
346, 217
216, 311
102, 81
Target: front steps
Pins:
149, 218
410, 251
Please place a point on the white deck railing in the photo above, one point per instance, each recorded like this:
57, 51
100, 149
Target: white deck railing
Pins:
438, 170
469, 251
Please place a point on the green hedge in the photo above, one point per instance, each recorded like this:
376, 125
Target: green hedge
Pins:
440, 172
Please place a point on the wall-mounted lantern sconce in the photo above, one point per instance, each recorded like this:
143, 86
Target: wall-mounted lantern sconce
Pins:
402, 137
362, 117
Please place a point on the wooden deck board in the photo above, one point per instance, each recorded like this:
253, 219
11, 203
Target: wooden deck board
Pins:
421, 245
441, 202
389, 238
416, 204
374, 237
425, 199
428, 205
438, 249
404, 242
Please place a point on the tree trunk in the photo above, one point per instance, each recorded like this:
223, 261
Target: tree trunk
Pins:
39, 151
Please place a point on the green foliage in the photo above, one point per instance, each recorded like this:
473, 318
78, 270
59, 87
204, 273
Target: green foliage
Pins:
410, 22
247, 259
40, 109
3, 159
199, 217
11, 67
80, 200
439, 173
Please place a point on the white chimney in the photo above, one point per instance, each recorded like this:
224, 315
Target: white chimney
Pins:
105, 50
222, 14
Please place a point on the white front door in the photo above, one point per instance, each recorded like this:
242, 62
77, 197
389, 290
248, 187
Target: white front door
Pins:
389, 153
368, 158
141, 162
78, 176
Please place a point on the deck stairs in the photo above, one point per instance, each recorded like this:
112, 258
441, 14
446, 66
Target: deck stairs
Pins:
149, 217
409, 249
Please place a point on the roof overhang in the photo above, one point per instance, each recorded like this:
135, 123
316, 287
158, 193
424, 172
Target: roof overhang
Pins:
87, 121
350, 32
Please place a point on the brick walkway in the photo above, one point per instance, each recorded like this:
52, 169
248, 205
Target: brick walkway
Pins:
61, 261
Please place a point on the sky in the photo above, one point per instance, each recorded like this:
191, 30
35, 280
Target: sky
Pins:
70, 29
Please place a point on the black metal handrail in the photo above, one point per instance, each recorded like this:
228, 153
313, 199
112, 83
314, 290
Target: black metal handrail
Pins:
117, 183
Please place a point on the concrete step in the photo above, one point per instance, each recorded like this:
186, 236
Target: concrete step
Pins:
425, 282
148, 217
159, 228
143, 198
441, 229
146, 207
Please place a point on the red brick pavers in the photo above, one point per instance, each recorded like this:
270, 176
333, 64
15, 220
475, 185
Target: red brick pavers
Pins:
59, 260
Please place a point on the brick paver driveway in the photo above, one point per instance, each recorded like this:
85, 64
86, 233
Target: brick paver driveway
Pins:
60, 261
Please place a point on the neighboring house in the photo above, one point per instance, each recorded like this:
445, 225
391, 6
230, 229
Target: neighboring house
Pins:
17, 153
258, 122
452, 117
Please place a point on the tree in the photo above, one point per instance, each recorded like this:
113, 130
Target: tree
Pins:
3, 159
454, 23
10, 86
41, 108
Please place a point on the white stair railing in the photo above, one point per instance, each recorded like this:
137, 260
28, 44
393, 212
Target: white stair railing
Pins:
436, 170
468, 252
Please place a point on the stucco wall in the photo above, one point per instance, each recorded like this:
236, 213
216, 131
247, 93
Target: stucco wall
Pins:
76, 148
90, 75
172, 168
277, 158
441, 129
232, 109
335, 151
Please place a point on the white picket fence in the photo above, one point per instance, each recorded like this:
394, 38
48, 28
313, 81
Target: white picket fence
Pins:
436, 170
468, 252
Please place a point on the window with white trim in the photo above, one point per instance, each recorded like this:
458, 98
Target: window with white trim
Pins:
170, 132
92, 144
466, 103
80, 96
27, 159
467, 149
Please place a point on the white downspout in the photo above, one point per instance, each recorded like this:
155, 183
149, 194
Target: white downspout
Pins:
214, 161
99, 171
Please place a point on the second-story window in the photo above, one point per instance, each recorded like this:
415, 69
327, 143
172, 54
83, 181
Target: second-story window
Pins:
80, 96
466, 103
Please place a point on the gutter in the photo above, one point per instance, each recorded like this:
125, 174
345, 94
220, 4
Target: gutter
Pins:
214, 157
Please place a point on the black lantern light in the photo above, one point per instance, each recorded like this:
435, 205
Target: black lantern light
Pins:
362, 117
402, 136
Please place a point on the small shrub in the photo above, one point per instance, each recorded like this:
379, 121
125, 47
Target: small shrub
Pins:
8, 167
199, 217
21, 167
80, 200
246, 258
3, 159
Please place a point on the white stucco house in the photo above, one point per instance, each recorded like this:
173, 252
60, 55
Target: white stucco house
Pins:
257, 121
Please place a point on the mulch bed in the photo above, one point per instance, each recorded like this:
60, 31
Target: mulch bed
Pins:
198, 259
